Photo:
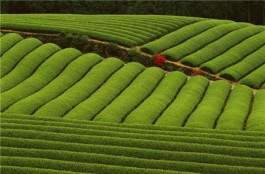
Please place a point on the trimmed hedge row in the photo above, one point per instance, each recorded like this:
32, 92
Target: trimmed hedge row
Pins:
199, 41
158, 101
42, 76
28, 65
211, 106
141, 153
218, 47
73, 73
185, 102
109, 91
8, 40
256, 78
12, 56
180, 35
232, 118
235, 54
256, 118
83, 89
188, 145
117, 110
244, 67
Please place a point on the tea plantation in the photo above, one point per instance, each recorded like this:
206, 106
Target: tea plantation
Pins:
64, 111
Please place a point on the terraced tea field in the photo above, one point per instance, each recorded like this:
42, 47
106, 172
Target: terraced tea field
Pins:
64, 111
55, 145
227, 49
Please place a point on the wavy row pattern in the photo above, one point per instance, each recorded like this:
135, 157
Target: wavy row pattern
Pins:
65, 83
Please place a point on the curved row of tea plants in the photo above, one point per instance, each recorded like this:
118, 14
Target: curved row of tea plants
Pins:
66, 83
128, 30
47, 144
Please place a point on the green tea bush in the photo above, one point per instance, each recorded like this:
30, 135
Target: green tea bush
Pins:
256, 78
73, 73
179, 36
185, 102
28, 65
82, 90
157, 102
135, 93
220, 46
199, 41
16, 53
245, 66
232, 117
209, 109
9, 40
109, 91
42, 76
235, 54
256, 118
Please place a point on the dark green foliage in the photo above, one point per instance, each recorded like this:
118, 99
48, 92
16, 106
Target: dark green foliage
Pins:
136, 56
71, 40
111, 49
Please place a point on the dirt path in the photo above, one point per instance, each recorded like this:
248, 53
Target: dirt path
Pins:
179, 64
